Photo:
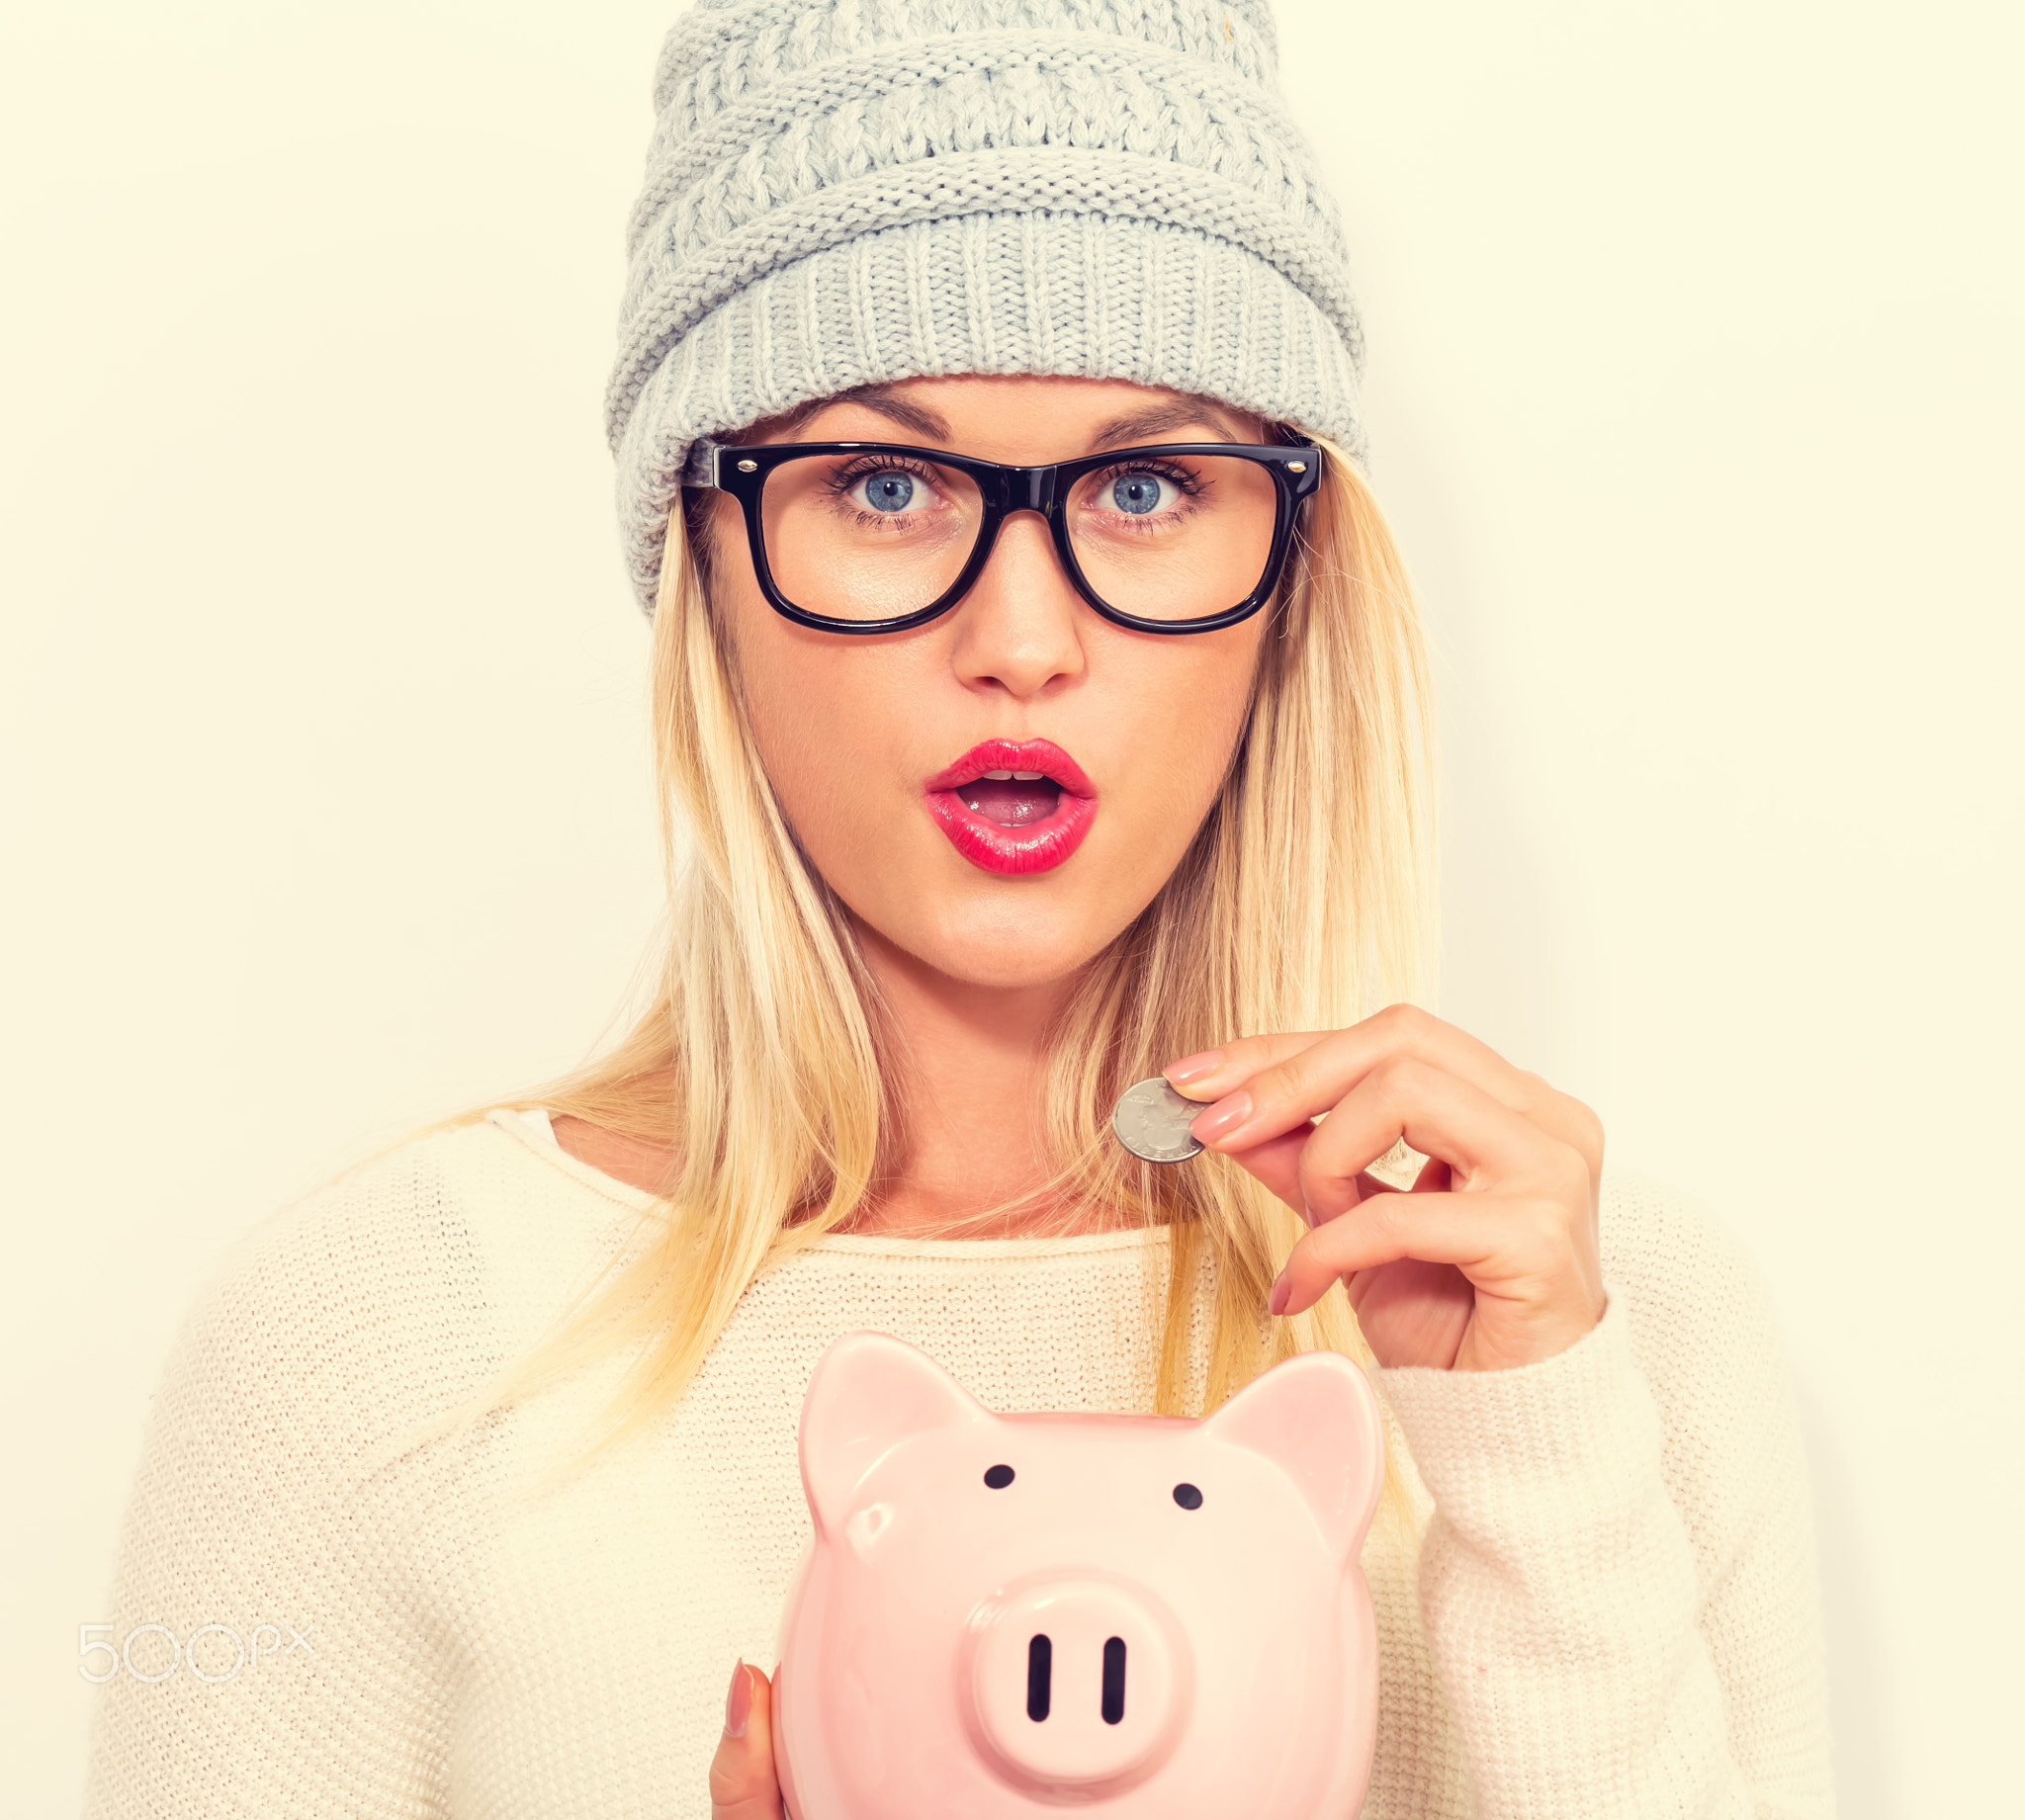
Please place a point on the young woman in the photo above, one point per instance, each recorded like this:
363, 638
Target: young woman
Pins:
1039, 705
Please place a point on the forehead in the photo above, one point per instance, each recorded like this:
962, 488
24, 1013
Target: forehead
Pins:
1018, 418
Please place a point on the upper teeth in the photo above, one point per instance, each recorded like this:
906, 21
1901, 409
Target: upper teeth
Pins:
1014, 777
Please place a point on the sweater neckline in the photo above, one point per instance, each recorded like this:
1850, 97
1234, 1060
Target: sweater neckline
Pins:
858, 1245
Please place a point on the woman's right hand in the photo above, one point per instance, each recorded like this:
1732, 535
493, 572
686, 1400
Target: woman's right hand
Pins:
742, 1784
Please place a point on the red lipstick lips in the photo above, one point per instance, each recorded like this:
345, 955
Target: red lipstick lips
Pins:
1029, 843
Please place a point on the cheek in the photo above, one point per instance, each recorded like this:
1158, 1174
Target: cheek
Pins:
803, 727
1186, 710
822, 719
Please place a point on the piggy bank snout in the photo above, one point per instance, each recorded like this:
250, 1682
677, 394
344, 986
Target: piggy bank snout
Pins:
1078, 1684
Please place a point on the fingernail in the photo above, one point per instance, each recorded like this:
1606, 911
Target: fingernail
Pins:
737, 1704
1227, 1114
1282, 1290
1193, 1067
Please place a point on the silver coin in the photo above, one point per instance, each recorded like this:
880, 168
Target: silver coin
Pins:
1152, 1122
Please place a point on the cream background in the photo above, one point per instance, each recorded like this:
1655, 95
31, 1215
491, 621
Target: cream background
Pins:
1694, 387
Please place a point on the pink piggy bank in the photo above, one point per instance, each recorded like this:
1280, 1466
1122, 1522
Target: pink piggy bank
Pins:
1139, 1616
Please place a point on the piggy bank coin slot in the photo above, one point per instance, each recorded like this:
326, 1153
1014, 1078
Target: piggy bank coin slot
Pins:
1040, 1676
1113, 1707
998, 1477
1188, 1496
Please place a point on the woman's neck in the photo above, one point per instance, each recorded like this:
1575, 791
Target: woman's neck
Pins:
969, 1059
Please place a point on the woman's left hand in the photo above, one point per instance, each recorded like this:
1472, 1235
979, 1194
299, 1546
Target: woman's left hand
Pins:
1490, 1259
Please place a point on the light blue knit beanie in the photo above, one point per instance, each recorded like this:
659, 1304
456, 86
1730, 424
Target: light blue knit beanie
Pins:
844, 192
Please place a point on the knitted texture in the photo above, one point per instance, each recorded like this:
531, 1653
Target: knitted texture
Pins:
856, 190
1612, 1612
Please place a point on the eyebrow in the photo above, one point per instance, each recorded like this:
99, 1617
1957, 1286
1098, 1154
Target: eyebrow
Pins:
1147, 425
1158, 420
909, 416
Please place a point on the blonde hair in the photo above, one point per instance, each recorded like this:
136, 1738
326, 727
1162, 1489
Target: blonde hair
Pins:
763, 1061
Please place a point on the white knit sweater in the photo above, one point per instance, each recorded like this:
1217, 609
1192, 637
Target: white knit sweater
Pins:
1614, 1611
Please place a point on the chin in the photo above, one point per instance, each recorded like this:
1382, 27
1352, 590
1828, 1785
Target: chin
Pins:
1014, 975
1000, 945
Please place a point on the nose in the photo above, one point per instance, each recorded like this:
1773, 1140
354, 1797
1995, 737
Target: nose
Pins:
1019, 628
1078, 1684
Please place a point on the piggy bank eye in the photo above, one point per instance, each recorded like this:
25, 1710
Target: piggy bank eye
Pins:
998, 1477
1188, 1496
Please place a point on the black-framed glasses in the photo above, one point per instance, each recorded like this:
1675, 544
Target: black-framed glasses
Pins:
869, 536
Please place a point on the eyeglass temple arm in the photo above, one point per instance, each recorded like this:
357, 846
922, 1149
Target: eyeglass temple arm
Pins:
700, 470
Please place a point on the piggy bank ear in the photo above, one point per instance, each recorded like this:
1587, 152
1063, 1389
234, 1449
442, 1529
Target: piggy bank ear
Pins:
869, 1393
1316, 1418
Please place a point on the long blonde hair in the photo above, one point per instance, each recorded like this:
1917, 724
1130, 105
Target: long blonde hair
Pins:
761, 1060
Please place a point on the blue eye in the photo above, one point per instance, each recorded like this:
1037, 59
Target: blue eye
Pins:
887, 491
1137, 494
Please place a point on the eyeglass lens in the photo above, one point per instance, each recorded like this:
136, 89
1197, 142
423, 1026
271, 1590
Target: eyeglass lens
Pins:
870, 536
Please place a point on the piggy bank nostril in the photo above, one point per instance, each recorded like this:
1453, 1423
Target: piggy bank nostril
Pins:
1076, 1685
1188, 1496
998, 1477
1040, 1675
1113, 1707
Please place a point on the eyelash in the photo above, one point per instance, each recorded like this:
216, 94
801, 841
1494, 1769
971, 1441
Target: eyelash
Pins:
1180, 477
842, 481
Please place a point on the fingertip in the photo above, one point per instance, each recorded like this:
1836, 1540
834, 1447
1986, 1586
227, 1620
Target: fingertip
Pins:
1221, 1120
741, 1774
748, 1705
1194, 1068
737, 1702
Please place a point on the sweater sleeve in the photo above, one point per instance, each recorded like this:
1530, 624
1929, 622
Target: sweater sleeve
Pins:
1617, 1582
284, 1616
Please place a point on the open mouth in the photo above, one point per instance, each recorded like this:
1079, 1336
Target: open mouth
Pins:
1012, 799
1013, 806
